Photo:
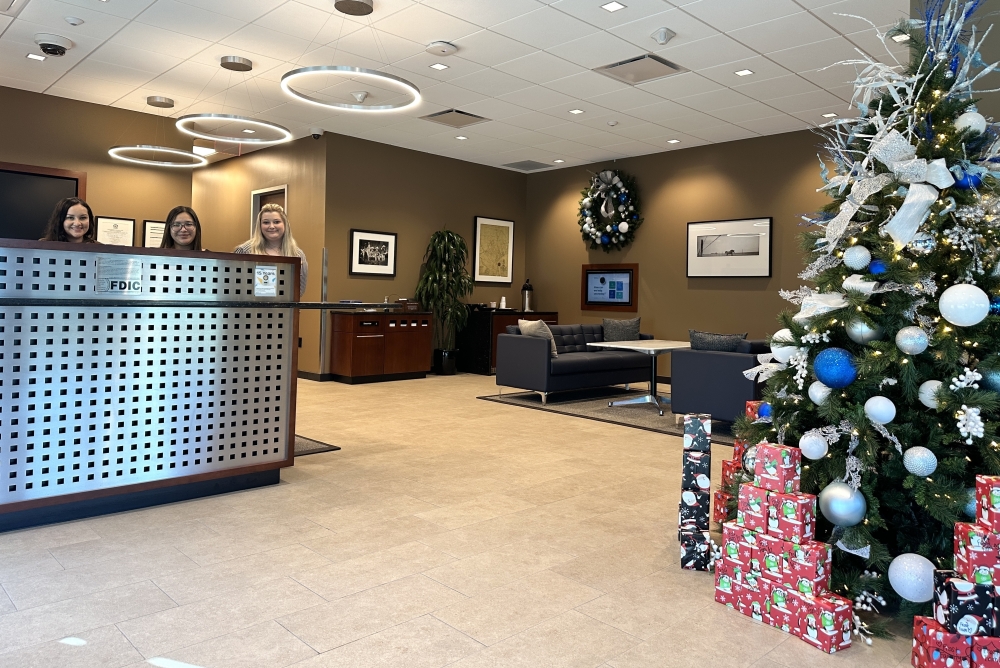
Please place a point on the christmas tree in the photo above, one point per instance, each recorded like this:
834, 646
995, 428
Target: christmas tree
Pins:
887, 376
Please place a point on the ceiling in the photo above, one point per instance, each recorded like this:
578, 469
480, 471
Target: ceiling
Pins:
522, 63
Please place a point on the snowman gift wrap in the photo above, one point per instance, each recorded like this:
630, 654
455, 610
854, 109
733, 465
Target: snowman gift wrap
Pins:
988, 501
976, 553
777, 468
697, 467
968, 608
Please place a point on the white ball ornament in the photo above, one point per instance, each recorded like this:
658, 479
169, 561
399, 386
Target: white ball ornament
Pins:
912, 577
783, 353
607, 229
971, 120
813, 446
818, 393
964, 305
859, 332
842, 505
623, 227
920, 461
880, 410
912, 340
927, 391
857, 257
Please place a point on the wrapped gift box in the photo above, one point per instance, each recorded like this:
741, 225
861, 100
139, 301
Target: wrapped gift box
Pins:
757, 604
697, 470
720, 505
977, 553
969, 609
940, 600
827, 622
935, 647
696, 550
732, 469
698, 432
694, 510
739, 447
730, 568
778, 468
753, 409
791, 517
809, 566
988, 501
751, 508
772, 557
725, 586
986, 652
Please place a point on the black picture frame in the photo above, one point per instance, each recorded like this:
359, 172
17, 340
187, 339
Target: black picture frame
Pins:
730, 263
356, 265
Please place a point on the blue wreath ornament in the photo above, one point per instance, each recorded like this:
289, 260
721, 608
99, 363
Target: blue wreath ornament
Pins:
609, 211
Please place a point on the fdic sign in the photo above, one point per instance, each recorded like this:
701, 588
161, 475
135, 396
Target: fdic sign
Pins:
119, 276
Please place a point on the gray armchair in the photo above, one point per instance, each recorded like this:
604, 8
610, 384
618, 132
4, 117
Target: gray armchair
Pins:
708, 381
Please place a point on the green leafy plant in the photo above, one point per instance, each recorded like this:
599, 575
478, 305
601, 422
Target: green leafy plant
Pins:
444, 281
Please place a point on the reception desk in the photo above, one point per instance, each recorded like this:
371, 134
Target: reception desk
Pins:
133, 376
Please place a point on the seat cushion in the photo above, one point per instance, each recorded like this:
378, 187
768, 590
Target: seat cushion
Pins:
570, 363
574, 338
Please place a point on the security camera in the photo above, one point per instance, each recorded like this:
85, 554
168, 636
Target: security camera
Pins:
316, 132
53, 45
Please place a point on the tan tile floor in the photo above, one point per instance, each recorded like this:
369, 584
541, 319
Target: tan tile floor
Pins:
447, 532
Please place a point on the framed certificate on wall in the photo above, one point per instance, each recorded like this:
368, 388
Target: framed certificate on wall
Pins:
152, 233
116, 231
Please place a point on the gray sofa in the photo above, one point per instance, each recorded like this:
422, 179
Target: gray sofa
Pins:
525, 362
708, 381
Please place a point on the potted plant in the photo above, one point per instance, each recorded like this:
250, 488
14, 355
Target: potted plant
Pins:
444, 281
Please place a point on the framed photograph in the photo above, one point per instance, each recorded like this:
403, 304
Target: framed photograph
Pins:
372, 253
493, 254
152, 233
729, 248
116, 231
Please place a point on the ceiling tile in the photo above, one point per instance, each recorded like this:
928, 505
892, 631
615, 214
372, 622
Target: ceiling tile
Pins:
484, 14
687, 27
386, 48
774, 125
693, 123
725, 133
586, 85
790, 31
545, 28
726, 15
301, 113
885, 51
128, 9
35, 86
185, 19
488, 48
707, 52
745, 112
158, 40
573, 131
299, 20
136, 59
537, 97
603, 122
95, 69
792, 84
815, 56
108, 90
188, 79
679, 85
494, 109
212, 56
450, 96
626, 98
717, 99
533, 120
96, 24
644, 131
634, 148
498, 130
94, 96
244, 10
660, 112
882, 13
803, 101
540, 67
530, 138
592, 12
492, 82
425, 25
761, 67
597, 50
257, 39
4, 22
457, 67
831, 77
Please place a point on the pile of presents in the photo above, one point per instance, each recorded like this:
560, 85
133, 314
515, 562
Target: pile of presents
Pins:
771, 569
964, 630
696, 486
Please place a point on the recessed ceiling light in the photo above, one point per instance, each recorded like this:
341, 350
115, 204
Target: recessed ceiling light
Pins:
744, 73
613, 6
35, 56
899, 39
673, 141
576, 111
203, 150
248, 131
558, 162
460, 137
831, 115
439, 66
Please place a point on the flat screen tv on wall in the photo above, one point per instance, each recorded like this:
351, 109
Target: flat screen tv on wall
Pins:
28, 195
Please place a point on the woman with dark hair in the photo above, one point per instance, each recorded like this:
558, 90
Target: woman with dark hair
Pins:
72, 221
183, 230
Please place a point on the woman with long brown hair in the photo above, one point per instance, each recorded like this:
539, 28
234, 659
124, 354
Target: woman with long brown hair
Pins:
72, 221
183, 230
272, 235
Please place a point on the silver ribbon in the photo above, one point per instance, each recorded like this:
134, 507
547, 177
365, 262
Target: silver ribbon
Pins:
880, 428
863, 552
603, 186
818, 304
916, 207
860, 191
765, 368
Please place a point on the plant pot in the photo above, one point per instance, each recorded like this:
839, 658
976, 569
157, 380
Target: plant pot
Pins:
444, 362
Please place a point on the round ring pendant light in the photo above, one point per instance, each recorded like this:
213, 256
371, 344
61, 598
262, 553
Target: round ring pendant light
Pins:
350, 72
123, 153
187, 125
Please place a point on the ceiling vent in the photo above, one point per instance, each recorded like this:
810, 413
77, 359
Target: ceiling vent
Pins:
454, 118
640, 70
527, 165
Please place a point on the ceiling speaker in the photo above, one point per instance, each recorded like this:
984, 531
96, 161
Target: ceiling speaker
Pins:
354, 7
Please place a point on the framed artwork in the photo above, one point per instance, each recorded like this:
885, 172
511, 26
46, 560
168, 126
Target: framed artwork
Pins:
372, 253
116, 231
493, 253
729, 248
152, 233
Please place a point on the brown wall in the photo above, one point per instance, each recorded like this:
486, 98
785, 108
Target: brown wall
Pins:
774, 176
49, 131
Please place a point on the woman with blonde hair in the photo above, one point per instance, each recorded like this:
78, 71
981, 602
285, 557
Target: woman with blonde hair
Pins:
272, 235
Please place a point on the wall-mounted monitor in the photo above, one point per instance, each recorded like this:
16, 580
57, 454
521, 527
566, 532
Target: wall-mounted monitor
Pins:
28, 194
610, 287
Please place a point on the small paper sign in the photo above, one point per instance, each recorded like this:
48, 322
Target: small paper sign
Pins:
265, 281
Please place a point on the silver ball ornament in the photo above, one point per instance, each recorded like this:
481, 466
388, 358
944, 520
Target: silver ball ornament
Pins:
842, 505
880, 410
750, 459
927, 391
920, 461
623, 227
923, 244
970, 505
971, 120
818, 393
964, 305
607, 229
813, 446
991, 379
859, 332
912, 577
782, 353
912, 340
857, 257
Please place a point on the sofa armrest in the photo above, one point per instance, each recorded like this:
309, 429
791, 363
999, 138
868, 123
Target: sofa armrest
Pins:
706, 381
523, 362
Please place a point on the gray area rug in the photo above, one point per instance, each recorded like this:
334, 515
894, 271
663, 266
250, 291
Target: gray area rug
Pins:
307, 446
593, 405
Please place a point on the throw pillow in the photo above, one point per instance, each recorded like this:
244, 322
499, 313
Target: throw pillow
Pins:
540, 329
621, 330
725, 343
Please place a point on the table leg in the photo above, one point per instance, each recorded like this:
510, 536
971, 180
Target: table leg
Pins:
651, 398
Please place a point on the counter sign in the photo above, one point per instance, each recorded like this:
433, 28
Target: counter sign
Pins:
118, 276
265, 281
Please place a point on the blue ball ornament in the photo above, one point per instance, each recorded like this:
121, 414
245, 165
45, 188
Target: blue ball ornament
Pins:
994, 305
764, 410
970, 505
835, 367
614, 228
877, 267
605, 239
969, 180
622, 198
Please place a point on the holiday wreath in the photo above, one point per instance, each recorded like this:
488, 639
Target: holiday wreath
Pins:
609, 210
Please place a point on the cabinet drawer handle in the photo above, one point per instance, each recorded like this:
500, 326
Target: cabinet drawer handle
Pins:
369, 336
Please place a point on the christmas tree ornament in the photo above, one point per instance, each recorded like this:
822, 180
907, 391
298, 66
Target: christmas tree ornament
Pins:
835, 368
991, 379
972, 121
856, 283
857, 257
994, 305
783, 353
927, 391
860, 332
818, 393
920, 461
813, 445
912, 340
877, 266
880, 410
765, 410
969, 180
750, 460
623, 227
964, 305
842, 505
912, 577
970, 505
922, 244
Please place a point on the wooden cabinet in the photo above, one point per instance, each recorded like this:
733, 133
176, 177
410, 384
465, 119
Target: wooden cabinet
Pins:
477, 342
372, 347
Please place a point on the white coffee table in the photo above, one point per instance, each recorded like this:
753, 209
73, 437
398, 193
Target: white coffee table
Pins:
653, 348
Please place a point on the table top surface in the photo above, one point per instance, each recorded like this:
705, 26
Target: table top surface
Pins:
649, 347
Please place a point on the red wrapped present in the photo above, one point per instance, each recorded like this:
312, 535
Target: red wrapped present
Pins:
772, 557
730, 469
757, 604
778, 468
809, 567
988, 501
739, 447
791, 517
986, 652
937, 648
977, 553
753, 409
827, 623
725, 591
751, 508
720, 505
